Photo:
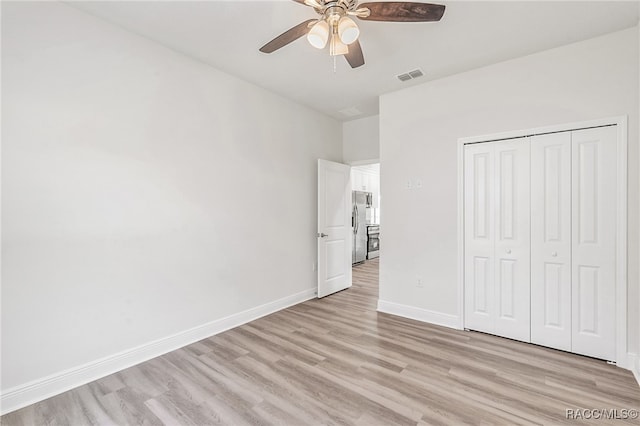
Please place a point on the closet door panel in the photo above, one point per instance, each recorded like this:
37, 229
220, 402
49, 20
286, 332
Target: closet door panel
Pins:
479, 237
593, 241
512, 239
551, 240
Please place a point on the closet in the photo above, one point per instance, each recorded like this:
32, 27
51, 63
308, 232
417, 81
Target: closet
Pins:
540, 239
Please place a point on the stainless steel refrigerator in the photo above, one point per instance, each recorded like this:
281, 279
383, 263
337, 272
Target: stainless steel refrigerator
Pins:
361, 201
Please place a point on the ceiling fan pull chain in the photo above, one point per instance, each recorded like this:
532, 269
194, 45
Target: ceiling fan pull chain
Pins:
334, 64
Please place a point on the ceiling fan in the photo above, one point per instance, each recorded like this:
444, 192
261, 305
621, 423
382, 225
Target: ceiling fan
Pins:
336, 26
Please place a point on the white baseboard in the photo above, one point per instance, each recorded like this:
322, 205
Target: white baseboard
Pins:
633, 364
46, 387
419, 314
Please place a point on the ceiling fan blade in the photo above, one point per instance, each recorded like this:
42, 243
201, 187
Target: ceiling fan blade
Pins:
355, 56
402, 11
287, 37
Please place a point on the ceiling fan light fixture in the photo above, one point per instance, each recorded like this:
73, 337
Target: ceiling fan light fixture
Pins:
335, 21
348, 30
319, 34
337, 47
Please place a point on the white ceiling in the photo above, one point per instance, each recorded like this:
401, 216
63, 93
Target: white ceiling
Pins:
227, 35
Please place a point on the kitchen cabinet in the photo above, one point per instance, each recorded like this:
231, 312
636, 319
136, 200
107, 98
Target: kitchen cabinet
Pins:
368, 181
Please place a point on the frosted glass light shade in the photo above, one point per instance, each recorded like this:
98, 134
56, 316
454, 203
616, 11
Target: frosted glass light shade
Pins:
319, 35
348, 30
337, 47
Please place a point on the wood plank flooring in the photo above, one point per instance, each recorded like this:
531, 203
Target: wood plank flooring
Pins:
336, 361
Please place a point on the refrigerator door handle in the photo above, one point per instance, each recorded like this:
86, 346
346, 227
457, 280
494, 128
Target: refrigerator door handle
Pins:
353, 217
355, 230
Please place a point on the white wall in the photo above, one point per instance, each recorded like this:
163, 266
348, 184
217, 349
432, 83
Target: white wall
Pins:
361, 139
637, 372
419, 128
143, 193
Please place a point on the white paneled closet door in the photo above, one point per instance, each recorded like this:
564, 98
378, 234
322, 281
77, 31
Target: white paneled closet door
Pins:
479, 241
593, 241
540, 239
497, 271
551, 240
512, 246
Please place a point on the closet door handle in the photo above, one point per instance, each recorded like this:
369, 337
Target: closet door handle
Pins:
508, 251
554, 254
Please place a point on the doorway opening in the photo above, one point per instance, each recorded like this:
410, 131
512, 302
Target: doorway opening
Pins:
347, 193
365, 219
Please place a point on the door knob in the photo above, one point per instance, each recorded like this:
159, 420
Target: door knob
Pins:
322, 234
554, 253
508, 251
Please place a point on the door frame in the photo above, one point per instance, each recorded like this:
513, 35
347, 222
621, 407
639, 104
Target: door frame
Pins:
623, 358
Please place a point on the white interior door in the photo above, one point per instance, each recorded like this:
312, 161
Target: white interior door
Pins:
551, 240
512, 246
496, 222
593, 237
334, 227
479, 241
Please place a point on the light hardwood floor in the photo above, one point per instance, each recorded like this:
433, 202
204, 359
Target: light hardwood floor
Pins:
338, 361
